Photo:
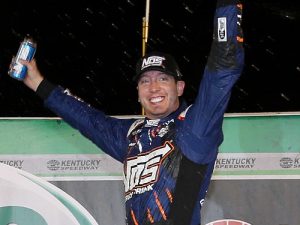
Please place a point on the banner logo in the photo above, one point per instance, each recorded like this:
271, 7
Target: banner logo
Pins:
74, 165
15, 163
235, 163
287, 162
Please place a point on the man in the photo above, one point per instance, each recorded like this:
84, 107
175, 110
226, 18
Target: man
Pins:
169, 156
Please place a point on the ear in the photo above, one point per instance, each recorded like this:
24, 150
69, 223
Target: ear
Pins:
180, 87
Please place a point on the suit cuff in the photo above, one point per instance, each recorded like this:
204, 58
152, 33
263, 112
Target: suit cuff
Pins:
45, 88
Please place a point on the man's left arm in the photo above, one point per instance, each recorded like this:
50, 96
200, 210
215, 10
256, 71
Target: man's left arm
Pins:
203, 122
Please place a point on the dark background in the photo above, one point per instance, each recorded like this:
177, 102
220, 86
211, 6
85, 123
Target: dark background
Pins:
91, 47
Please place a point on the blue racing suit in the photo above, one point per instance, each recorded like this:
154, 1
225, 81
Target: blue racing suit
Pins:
168, 162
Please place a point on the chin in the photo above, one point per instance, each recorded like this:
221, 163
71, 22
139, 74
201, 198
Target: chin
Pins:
158, 115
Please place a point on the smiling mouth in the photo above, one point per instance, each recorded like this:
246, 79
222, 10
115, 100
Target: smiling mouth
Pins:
156, 99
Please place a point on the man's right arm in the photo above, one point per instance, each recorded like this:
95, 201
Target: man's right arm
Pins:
106, 132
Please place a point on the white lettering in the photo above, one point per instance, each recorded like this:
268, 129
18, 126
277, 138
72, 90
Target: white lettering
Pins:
143, 170
152, 61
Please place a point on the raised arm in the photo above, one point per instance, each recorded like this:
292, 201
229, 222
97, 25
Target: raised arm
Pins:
106, 132
224, 66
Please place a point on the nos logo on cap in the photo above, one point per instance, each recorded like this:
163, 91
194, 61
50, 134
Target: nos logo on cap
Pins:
152, 61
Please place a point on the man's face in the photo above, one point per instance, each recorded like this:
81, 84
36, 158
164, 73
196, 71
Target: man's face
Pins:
158, 93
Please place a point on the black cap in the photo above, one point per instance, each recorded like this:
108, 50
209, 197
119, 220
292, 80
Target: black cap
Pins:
160, 62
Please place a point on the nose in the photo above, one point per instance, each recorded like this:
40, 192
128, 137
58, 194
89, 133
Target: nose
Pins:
154, 86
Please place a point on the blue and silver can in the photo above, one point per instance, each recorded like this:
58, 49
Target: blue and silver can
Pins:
26, 52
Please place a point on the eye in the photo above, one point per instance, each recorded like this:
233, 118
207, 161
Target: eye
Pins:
164, 78
144, 80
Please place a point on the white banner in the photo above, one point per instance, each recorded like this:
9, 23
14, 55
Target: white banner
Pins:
30, 200
103, 167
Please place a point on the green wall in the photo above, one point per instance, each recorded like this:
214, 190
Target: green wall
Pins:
277, 133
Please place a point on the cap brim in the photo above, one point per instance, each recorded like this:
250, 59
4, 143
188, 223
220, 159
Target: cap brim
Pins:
152, 68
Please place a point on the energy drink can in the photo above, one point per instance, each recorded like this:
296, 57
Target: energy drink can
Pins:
26, 52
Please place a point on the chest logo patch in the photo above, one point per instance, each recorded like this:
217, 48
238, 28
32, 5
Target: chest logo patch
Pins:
142, 171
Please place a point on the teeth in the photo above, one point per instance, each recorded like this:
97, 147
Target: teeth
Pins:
157, 99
